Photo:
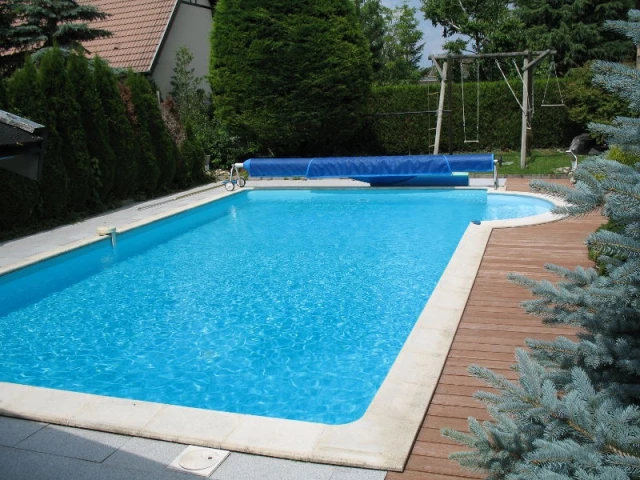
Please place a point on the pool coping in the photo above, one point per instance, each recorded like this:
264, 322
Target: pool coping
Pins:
381, 439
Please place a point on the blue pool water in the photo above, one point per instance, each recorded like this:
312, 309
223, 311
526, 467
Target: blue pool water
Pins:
290, 303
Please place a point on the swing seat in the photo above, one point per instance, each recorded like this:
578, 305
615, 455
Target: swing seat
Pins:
472, 141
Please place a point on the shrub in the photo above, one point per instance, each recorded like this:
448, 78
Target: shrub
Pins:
622, 155
588, 103
292, 77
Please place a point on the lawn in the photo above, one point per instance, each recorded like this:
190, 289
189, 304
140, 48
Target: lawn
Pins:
541, 162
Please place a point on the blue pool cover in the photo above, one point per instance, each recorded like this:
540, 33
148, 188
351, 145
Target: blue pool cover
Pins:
385, 170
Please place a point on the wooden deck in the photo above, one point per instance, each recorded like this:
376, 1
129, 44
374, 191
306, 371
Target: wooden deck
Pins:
492, 326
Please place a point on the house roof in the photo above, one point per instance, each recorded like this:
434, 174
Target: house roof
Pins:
138, 27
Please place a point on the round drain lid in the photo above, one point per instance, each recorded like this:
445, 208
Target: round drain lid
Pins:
197, 460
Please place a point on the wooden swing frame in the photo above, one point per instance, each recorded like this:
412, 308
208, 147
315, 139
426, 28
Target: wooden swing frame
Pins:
531, 59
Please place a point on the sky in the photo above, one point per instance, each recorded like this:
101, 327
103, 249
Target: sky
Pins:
431, 36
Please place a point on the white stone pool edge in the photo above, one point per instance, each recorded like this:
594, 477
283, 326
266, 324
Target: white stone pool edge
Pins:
381, 439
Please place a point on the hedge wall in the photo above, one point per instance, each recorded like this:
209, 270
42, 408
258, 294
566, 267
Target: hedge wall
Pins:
500, 120
93, 158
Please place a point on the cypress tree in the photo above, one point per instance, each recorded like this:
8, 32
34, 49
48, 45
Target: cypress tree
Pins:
291, 76
158, 150
119, 129
141, 99
575, 411
26, 98
94, 122
25, 93
63, 115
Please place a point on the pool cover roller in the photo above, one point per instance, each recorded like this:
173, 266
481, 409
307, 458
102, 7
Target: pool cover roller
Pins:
416, 170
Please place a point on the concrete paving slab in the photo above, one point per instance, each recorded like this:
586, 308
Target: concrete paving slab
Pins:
144, 454
347, 473
74, 443
240, 466
28, 465
15, 430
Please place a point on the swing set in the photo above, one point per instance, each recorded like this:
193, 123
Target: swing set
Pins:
526, 102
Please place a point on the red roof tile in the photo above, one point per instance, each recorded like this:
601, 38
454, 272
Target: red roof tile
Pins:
137, 27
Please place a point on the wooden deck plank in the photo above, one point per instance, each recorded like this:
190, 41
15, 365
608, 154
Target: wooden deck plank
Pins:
492, 326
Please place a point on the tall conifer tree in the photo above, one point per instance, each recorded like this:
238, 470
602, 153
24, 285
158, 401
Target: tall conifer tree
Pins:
292, 77
121, 137
63, 115
159, 151
94, 123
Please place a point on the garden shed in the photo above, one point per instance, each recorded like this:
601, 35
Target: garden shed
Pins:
22, 145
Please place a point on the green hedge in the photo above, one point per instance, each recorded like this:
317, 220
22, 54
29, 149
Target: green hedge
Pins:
93, 157
500, 120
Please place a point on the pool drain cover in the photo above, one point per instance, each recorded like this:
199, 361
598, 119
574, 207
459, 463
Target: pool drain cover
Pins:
199, 460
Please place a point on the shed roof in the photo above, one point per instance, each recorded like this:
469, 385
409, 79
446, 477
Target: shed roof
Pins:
138, 27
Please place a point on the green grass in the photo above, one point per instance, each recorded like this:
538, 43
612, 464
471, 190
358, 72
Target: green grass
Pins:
541, 162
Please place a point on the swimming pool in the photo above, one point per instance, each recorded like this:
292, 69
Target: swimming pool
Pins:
288, 303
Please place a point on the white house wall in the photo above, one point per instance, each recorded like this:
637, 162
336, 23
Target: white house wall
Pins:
191, 28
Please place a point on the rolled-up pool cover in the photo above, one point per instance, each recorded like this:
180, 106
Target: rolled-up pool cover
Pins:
384, 170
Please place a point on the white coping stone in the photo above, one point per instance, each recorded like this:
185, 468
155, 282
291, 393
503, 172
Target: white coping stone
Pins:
381, 439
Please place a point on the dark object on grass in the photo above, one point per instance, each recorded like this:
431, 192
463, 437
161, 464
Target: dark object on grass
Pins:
581, 144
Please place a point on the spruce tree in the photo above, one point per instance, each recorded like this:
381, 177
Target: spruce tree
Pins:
574, 29
119, 129
45, 23
575, 411
9, 58
26, 98
292, 77
94, 123
63, 115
